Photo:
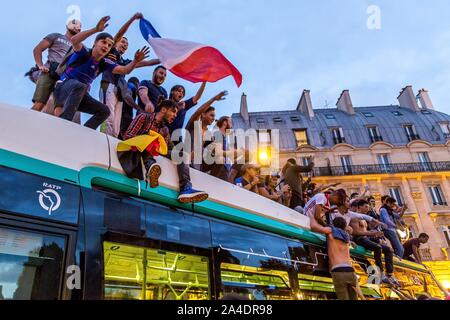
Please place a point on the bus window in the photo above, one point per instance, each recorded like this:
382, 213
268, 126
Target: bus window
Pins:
166, 275
255, 283
31, 265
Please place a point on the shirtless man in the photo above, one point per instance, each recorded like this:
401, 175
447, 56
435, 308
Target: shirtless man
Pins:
338, 242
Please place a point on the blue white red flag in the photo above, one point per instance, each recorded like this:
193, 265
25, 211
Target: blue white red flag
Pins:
188, 60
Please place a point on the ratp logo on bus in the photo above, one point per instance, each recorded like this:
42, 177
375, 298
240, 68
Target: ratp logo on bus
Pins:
49, 198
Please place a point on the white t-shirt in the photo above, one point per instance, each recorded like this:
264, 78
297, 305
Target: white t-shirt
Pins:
318, 199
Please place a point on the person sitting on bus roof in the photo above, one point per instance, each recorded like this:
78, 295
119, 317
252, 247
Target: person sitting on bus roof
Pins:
249, 179
389, 217
363, 237
412, 248
131, 159
320, 204
81, 70
269, 190
338, 242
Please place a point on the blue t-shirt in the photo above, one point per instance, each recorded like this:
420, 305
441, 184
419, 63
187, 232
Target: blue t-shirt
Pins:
153, 93
115, 57
89, 69
181, 116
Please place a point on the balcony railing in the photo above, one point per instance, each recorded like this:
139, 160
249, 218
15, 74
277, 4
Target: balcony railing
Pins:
426, 254
382, 168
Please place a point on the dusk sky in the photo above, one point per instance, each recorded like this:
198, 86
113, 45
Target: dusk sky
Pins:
281, 47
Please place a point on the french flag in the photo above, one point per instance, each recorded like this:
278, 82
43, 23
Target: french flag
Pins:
189, 60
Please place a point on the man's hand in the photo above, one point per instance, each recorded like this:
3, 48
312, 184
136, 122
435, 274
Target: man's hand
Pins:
102, 24
149, 108
44, 69
221, 96
181, 105
255, 181
138, 16
142, 54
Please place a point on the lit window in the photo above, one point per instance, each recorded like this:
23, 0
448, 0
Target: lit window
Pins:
301, 137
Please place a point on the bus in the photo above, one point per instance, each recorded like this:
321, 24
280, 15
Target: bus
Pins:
74, 227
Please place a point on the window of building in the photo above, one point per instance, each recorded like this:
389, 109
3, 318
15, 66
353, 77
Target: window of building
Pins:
330, 116
295, 119
278, 120
397, 113
437, 196
396, 193
374, 134
306, 161
264, 137
445, 127
384, 161
338, 135
260, 120
446, 230
411, 132
427, 112
424, 160
301, 137
368, 114
346, 162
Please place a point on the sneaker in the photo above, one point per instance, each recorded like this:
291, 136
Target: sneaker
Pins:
189, 195
153, 175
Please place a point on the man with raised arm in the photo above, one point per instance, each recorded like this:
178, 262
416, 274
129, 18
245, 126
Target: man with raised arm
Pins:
338, 242
57, 45
82, 69
112, 85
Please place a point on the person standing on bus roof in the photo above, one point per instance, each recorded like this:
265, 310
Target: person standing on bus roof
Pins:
338, 242
82, 69
150, 91
110, 91
58, 45
130, 160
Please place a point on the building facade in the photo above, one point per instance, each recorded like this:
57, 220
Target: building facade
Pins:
399, 150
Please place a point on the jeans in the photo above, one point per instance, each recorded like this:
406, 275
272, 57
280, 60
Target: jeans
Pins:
110, 98
395, 242
184, 175
378, 249
74, 94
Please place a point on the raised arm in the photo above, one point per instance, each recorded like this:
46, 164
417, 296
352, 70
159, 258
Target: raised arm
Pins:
126, 26
148, 63
196, 116
37, 53
199, 94
138, 57
77, 40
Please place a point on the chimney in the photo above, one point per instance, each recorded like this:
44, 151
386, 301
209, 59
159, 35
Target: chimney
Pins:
345, 103
305, 105
244, 109
407, 99
424, 99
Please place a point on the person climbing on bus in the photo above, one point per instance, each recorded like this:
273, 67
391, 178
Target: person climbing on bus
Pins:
338, 244
389, 217
83, 67
147, 137
411, 248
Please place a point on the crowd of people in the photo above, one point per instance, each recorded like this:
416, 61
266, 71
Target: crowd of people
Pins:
130, 109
